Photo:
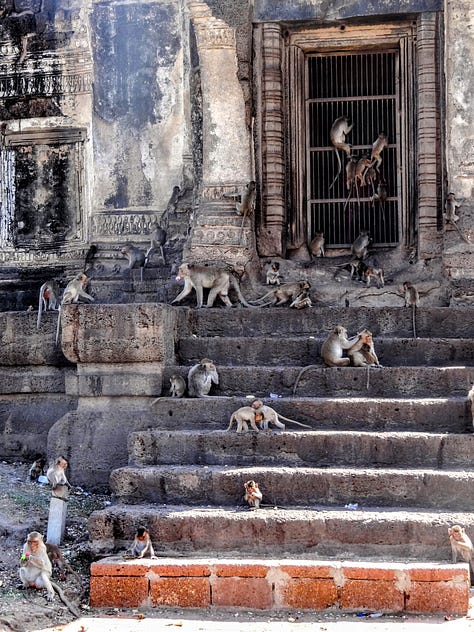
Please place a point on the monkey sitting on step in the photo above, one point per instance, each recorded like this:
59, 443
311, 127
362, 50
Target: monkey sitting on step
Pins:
252, 495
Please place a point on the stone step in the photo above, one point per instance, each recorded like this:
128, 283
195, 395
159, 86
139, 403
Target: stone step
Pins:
296, 486
280, 584
370, 533
302, 449
436, 322
298, 351
446, 414
319, 381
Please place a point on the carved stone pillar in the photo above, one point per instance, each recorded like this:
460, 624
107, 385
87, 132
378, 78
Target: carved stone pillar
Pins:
216, 233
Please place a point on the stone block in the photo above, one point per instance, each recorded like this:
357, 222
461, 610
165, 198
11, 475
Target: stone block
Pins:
316, 594
116, 380
172, 569
241, 569
371, 571
242, 592
116, 567
123, 592
118, 333
449, 597
375, 594
185, 592
310, 570
444, 572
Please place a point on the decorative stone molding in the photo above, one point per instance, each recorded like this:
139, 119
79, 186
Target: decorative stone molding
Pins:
14, 85
120, 224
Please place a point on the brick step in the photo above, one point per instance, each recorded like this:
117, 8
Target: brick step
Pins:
300, 351
370, 533
321, 448
319, 381
437, 322
280, 584
297, 486
446, 414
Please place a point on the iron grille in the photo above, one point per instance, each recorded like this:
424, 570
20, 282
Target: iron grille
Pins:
363, 87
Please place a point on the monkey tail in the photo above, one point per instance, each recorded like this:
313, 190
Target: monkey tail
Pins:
339, 170
413, 312
262, 298
58, 325
236, 287
303, 370
231, 422
71, 607
460, 233
292, 421
367, 384
40, 305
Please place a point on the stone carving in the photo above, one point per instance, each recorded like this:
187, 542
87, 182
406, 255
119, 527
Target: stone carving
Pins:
122, 224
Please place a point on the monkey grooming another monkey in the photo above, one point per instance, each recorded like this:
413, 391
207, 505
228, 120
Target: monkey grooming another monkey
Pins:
286, 292
412, 299
48, 299
461, 547
201, 377
333, 347
178, 385
273, 276
218, 282
142, 545
362, 353
270, 416
244, 416
252, 495
339, 129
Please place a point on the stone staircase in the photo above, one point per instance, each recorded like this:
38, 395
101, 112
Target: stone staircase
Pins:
394, 442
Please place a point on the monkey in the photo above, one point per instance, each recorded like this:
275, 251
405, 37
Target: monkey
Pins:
176, 194
378, 146
286, 292
340, 128
363, 164
158, 240
461, 547
89, 258
470, 397
372, 272
201, 377
37, 469
56, 476
36, 570
316, 247
136, 258
332, 348
370, 179
252, 495
244, 202
243, 416
412, 299
270, 416
218, 282
178, 385
356, 268
450, 215
57, 560
380, 197
351, 166
48, 299
362, 353
302, 300
360, 245
73, 291
273, 276
142, 545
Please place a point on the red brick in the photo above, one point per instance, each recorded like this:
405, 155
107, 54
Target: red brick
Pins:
127, 568
180, 570
126, 592
449, 597
245, 592
370, 571
240, 569
185, 592
316, 594
359, 594
446, 572
310, 569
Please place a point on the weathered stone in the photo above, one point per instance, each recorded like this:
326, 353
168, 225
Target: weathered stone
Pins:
242, 592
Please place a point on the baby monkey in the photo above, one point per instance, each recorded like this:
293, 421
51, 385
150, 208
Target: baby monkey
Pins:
252, 494
142, 546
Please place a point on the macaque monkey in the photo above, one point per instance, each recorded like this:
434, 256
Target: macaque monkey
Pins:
302, 300
48, 299
273, 276
270, 416
141, 545
73, 291
470, 397
37, 469
58, 561
340, 128
450, 215
177, 385
372, 272
243, 417
351, 167
360, 245
286, 292
218, 282
371, 179
245, 202
461, 547
136, 258
157, 241
362, 353
363, 164
333, 347
378, 146
381, 197
316, 247
201, 377
89, 258
253, 495
412, 299
56, 476
35, 570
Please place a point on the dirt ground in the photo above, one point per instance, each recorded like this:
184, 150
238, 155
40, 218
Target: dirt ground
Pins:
24, 507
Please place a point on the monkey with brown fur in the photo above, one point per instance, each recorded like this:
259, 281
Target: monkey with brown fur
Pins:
48, 299
412, 299
201, 377
73, 291
273, 276
450, 215
372, 272
360, 246
378, 146
302, 300
333, 347
37, 469
56, 476
243, 417
339, 130
286, 292
157, 241
316, 247
177, 385
57, 561
362, 353
461, 547
253, 496
270, 416
142, 546
136, 258
216, 280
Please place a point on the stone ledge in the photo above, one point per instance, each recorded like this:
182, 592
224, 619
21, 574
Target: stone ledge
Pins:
275, 584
